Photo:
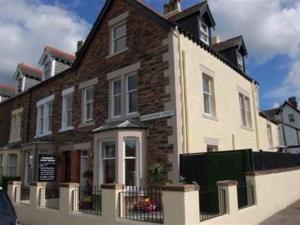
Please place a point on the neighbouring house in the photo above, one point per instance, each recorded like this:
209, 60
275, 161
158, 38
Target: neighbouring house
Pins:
6, 92
288, 117
26, 76
143, 89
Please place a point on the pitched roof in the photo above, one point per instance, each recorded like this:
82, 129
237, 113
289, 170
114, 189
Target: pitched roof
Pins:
69, 57
230, 43
127, 124
270, 114
7, 90
29, 70
191, 10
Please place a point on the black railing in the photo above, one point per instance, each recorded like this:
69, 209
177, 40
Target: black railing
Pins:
141, 204
25, 193
52, 196
89, 199
245, 196
212, 204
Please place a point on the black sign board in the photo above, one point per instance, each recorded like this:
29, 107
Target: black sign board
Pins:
47, 168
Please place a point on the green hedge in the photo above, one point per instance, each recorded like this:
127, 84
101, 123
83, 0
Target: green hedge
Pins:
4, 181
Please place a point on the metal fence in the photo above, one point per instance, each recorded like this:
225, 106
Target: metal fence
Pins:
90, 199
245, 196
25, 194
141, 204
52, 196
212, 204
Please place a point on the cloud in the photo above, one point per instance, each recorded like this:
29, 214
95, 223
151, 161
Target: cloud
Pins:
290, 86
26, 26
269, 27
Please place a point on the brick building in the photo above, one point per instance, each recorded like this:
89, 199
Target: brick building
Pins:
125, 102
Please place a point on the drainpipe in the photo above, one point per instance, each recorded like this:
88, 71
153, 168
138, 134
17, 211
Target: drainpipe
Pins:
184, 109
256, 113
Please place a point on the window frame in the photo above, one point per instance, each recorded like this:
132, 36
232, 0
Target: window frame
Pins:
9, 166
113, 96
245, 111
204, 33
291, 117
102, 160
240, 60
136, 158
210, 94
128, 92
44, 122
67, 94
270, 135
86, 103
113, 38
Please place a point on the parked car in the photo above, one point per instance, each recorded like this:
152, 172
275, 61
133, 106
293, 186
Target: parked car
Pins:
8, 214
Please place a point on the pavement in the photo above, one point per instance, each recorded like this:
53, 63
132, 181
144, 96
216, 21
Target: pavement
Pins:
288, 216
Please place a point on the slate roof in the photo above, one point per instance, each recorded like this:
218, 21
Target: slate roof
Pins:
57, 53
127, 124
271, 113
29, 70
230, 43
7, 90
191, 10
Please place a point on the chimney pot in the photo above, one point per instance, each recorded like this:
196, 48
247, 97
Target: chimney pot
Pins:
293, 101
79, 45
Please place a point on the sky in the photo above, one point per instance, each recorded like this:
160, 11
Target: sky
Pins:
270, 28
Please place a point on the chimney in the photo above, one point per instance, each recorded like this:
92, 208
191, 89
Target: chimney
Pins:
172, 8
79, 45
293, 101
215, 40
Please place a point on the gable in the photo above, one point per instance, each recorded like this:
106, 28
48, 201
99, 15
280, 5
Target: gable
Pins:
122, 7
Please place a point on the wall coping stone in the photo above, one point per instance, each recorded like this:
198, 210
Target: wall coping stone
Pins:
112, 186
38, 184
181, 188
266, 172
227, 183
69, 185
14, 182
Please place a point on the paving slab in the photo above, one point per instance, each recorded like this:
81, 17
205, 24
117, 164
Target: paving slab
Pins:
288, 216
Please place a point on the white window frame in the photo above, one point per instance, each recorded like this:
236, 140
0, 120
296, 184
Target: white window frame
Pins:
16, 125
65, 95
245, 111
101, 160
45, 128
137, 159
210, 94
128, 92
28, 166
116, 38
113, 96
204, 33
86, 103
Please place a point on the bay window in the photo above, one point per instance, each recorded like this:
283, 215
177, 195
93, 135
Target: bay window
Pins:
130, 158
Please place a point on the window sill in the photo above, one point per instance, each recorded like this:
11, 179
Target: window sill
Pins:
43, 135
247, 128
66, 129
210, 117
132, 116
117, 53
88, 124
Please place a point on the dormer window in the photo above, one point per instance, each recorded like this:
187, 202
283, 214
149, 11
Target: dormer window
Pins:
47, 69
204, 33
20, 85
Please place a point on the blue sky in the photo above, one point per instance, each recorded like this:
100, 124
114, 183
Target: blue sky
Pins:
272, 35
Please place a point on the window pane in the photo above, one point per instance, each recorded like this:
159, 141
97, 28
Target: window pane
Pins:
89, 111
119, 30
248, 112
120, 44
132, 83
41, 119
69, 100
50, 108
117, 87
207, 104
89, 94
109, 171
69, 118
108, 149
130, 148
133, 102
206, 85
130, 172
117, 105
243, 112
